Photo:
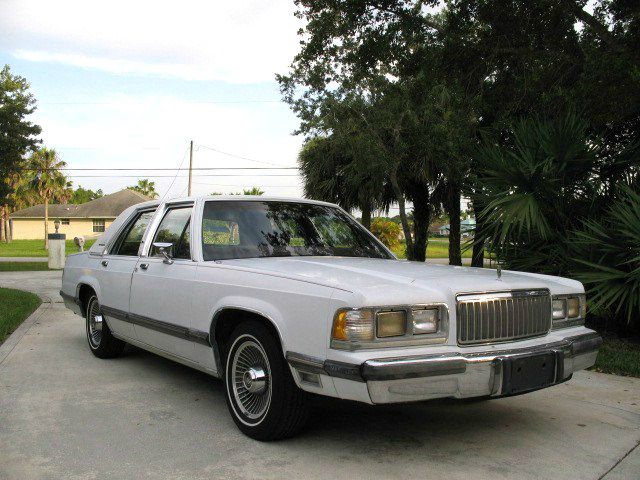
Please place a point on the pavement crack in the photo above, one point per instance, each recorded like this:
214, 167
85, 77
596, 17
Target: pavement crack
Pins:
619, 460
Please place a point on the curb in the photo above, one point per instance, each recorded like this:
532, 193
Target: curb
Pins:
7, 347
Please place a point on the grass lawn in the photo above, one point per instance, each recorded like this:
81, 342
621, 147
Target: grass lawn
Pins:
23, 266
35, 248
620, 357
16, 306
436, 248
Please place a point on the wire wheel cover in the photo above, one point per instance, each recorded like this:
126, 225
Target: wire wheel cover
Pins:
251, 379
94, 324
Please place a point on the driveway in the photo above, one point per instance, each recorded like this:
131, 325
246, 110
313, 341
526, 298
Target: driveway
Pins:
66, 414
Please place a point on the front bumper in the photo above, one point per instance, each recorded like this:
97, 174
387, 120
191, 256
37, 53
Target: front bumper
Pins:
463, 375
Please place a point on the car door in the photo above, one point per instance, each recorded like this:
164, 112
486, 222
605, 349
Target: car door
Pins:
115, 270
161, 290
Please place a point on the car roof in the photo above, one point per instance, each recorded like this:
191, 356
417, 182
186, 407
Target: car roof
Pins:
251, 198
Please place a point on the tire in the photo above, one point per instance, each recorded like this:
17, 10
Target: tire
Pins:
263, 399
101, 341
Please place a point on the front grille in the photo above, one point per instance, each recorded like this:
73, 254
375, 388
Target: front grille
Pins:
502, 316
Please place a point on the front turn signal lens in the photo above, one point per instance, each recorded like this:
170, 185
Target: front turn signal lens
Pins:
353, 326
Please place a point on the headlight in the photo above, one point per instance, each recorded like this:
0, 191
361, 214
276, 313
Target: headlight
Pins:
569, 310
389, 326
559, 309
425, 320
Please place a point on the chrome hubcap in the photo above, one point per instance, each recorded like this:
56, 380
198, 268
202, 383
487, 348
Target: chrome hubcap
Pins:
251, 379
95, 324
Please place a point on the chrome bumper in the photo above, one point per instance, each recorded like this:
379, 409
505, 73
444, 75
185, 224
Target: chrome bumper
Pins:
460, 375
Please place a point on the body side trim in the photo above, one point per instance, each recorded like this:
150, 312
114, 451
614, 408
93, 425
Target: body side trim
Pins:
158, 325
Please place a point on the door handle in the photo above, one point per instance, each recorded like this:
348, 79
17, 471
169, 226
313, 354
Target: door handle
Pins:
144, 266
104, 263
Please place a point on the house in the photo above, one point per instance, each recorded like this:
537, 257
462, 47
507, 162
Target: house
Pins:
466, 228
87, 219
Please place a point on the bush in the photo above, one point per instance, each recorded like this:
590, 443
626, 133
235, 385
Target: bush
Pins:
555, 203
386, 231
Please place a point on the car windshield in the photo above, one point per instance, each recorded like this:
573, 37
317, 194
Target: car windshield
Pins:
250, 229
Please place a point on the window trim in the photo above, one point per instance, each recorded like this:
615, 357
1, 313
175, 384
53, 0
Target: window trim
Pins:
125, 231
132, 218
158, 221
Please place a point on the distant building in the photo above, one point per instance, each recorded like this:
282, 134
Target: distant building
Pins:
466, 228
87, 219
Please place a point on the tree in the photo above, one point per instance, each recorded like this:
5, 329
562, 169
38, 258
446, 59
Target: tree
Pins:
252, 191
17, 136
145, 187
84, 195
48, 181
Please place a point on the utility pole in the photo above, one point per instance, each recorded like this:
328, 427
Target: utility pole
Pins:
190, 165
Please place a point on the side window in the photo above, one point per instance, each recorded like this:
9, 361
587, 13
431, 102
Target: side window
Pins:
174, 229
129, 240
220, 232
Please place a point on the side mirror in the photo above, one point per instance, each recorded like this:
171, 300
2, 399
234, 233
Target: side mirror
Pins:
164, 249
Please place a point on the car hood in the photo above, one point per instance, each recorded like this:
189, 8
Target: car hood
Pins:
381, 278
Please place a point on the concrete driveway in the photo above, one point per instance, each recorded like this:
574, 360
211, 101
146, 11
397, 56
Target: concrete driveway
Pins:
66, 414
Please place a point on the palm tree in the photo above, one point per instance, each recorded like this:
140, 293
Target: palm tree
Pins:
145, 187
47, 181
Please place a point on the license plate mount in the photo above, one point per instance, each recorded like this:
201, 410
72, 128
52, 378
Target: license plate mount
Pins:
530, 372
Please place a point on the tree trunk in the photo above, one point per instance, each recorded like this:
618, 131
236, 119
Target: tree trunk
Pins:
366, 215
2, 225
7, 234
46, 223
421, 220
477, 257
403, 215
453, 210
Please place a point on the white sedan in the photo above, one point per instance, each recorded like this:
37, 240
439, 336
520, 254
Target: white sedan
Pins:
281, 298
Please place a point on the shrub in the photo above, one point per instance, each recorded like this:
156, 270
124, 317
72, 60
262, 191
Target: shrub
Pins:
386, 231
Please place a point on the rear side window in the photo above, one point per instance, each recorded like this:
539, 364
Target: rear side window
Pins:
174, 229
129, 240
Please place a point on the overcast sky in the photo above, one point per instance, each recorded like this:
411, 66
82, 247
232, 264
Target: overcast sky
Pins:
128, 84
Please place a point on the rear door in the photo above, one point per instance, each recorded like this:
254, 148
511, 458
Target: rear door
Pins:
161, 292
115, 270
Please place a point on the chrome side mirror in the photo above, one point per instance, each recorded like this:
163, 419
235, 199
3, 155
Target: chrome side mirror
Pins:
164, 249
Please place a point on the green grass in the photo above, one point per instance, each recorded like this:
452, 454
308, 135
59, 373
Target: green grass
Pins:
35, 248
16, 306
620, 357
436, 248
23, 266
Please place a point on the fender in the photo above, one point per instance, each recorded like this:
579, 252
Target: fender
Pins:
251, 305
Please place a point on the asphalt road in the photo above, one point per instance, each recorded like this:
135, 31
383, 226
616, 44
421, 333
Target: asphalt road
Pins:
66, 414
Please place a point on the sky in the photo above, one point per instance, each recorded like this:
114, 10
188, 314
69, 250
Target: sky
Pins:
124, 84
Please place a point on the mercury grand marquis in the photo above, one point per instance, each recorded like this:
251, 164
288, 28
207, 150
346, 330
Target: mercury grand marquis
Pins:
281, 298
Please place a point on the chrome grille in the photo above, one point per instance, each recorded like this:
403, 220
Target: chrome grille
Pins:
502, 316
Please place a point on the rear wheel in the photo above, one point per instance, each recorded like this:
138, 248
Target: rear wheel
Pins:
101, 342
263, 399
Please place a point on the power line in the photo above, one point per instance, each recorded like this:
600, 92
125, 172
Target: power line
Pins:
233, 155
176, 176
179, 176
146, 169
202, 102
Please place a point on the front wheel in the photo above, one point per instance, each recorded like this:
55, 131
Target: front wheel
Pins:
263, 399
101, 342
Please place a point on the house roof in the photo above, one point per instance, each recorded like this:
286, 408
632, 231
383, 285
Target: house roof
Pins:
109, 206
